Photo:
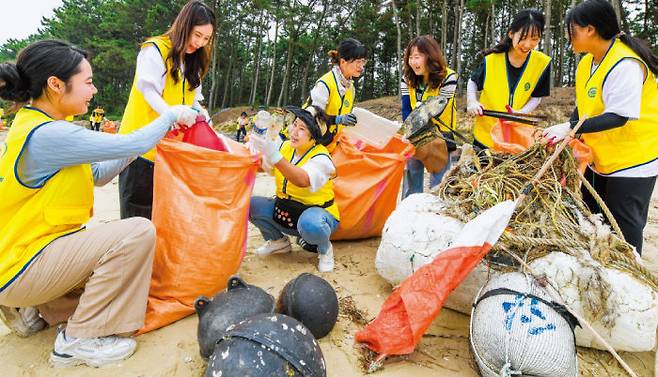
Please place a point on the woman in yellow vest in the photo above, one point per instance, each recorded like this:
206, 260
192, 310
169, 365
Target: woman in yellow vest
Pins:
426, 75
617, 90
513, 76
304, 205
170, 69
334, 91
96, 118
48, 169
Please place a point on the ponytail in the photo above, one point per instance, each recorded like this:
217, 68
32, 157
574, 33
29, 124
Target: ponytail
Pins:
333, 55
13, 86
37, 62
349, 49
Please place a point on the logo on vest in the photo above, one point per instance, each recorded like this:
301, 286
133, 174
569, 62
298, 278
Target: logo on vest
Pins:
526, 87
591, 93
346, 103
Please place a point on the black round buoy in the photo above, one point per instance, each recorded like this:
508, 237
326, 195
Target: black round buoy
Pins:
238, 302
267, 345
312, 301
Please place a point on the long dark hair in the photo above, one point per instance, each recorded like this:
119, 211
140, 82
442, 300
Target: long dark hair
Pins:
28, 77
193, 14
436, 63
528, 22
349, 49
602, 17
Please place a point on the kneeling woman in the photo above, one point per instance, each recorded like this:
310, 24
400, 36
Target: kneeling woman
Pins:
304, 204
48, 169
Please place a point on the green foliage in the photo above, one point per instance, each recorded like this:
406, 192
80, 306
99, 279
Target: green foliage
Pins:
112, 31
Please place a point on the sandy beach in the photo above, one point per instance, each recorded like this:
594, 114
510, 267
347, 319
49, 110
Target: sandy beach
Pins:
173, 351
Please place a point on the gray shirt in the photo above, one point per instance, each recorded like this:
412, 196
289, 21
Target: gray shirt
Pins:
60, 144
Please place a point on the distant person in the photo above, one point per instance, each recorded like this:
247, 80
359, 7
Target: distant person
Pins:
96, 118
513, 76
304, 205
48, 171
243, 121
427, 75
616, 87
170, 69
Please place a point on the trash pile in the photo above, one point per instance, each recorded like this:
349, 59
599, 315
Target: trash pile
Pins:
594, 271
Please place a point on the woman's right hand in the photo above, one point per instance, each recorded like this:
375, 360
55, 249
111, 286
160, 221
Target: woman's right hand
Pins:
474, 108
181, 115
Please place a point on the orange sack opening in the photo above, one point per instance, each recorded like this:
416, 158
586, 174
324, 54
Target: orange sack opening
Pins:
510, 137
200, 210
367, 184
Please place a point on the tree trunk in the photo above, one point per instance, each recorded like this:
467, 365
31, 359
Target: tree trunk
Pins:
254, 85
548, 35
418, 6
444, 25
213, 82
459, 38
271, 80
304, 90
485, 41
286, 73
493, 23
396, 15
227, 78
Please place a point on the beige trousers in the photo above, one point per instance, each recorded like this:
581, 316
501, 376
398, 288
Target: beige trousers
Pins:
96, 279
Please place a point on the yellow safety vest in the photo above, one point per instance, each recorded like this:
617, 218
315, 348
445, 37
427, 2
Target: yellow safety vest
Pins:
286, 190
636, 142
138, 112
337, 105
33, 217
498, 92
449, 114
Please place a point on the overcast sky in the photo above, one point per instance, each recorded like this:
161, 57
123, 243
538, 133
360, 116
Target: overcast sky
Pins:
20, 18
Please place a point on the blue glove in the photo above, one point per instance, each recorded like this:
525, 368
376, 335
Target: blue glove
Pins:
348, 120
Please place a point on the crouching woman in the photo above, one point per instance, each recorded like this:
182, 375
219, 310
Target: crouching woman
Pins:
304, 205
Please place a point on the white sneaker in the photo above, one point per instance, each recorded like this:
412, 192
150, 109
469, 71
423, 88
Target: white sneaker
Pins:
95, 352
282, 245
326, 263
23, 321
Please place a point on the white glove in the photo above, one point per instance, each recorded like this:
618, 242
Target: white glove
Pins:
557, 132
474, 108
203, 111
182, 115
268, 148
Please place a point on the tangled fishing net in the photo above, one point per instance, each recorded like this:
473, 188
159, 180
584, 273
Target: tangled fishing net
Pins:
553, 217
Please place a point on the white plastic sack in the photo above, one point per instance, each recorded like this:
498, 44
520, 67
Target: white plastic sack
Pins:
518, 334
637, 304
413, 235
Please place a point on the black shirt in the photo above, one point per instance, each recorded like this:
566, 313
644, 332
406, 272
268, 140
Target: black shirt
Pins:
543, 88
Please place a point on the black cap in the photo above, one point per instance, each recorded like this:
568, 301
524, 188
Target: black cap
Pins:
308, 117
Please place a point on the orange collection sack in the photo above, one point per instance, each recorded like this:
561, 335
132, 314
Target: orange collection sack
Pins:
367, 184
200, 210
512, 138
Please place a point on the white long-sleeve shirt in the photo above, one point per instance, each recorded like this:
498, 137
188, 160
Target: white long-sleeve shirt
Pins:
150, 73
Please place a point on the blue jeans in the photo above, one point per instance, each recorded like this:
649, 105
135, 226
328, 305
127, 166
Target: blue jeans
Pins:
315, 225
414, 176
